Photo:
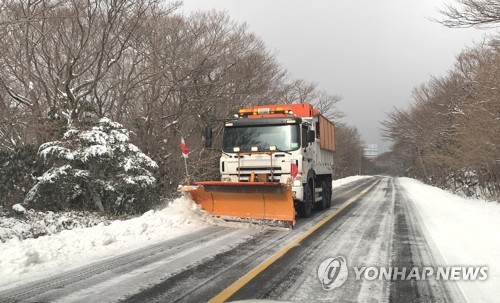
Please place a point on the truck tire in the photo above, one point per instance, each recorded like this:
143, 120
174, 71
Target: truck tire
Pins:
304, 208
326, 193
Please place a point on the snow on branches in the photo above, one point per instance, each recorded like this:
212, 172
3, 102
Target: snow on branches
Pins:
96, 168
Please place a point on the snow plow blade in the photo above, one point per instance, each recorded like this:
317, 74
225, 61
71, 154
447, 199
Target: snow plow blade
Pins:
245, 201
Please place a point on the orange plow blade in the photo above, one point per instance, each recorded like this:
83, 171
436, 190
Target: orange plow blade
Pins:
266, 201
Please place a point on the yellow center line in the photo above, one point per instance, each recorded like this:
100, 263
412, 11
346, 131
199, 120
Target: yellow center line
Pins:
238, 284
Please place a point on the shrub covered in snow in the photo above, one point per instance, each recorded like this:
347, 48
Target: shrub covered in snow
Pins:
96, 168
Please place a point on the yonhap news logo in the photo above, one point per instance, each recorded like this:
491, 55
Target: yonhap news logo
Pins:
445, 273
333, 272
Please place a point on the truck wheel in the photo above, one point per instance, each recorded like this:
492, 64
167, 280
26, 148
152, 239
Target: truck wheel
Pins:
304, 208
326, 194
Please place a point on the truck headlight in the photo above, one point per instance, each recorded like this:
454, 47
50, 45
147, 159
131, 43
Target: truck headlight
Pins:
297, 183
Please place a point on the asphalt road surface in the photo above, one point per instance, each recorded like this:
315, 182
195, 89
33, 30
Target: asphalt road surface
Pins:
372, 223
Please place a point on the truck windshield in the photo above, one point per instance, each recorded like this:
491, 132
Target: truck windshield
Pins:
284, 137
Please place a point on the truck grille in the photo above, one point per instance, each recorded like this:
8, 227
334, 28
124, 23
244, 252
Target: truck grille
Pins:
245, 172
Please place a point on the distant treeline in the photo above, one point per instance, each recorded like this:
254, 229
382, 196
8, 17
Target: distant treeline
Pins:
450, 134
161, 74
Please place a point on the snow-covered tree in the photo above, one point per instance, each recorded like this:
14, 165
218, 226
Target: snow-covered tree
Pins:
96, 168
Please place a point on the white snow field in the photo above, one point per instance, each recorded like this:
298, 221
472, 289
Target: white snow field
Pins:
465, 231
35, 258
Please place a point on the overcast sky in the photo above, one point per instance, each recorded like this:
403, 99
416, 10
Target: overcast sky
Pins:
372, 53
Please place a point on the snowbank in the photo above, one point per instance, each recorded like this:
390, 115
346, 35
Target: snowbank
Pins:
34, 224
465, 231
35, 258
347, 180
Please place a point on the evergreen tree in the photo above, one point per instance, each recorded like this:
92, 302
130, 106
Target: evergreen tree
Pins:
96, 168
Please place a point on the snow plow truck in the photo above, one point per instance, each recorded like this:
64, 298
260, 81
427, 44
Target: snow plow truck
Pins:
276, 162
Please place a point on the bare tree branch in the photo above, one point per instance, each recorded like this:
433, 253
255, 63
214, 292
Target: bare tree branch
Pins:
472, 13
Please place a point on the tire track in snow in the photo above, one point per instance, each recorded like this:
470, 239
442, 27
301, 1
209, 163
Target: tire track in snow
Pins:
411, 248
54, 285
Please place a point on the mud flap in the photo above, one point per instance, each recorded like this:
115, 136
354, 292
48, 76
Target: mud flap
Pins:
266, 201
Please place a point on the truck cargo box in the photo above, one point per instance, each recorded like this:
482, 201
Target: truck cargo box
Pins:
325, 131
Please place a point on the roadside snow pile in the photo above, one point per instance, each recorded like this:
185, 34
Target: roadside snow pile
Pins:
465, 231
344, 181
33, 224
35, 258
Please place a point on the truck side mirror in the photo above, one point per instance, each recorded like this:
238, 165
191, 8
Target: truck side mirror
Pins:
311, 136
208, 137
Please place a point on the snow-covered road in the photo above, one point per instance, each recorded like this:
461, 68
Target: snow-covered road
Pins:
374, 222
378, 231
